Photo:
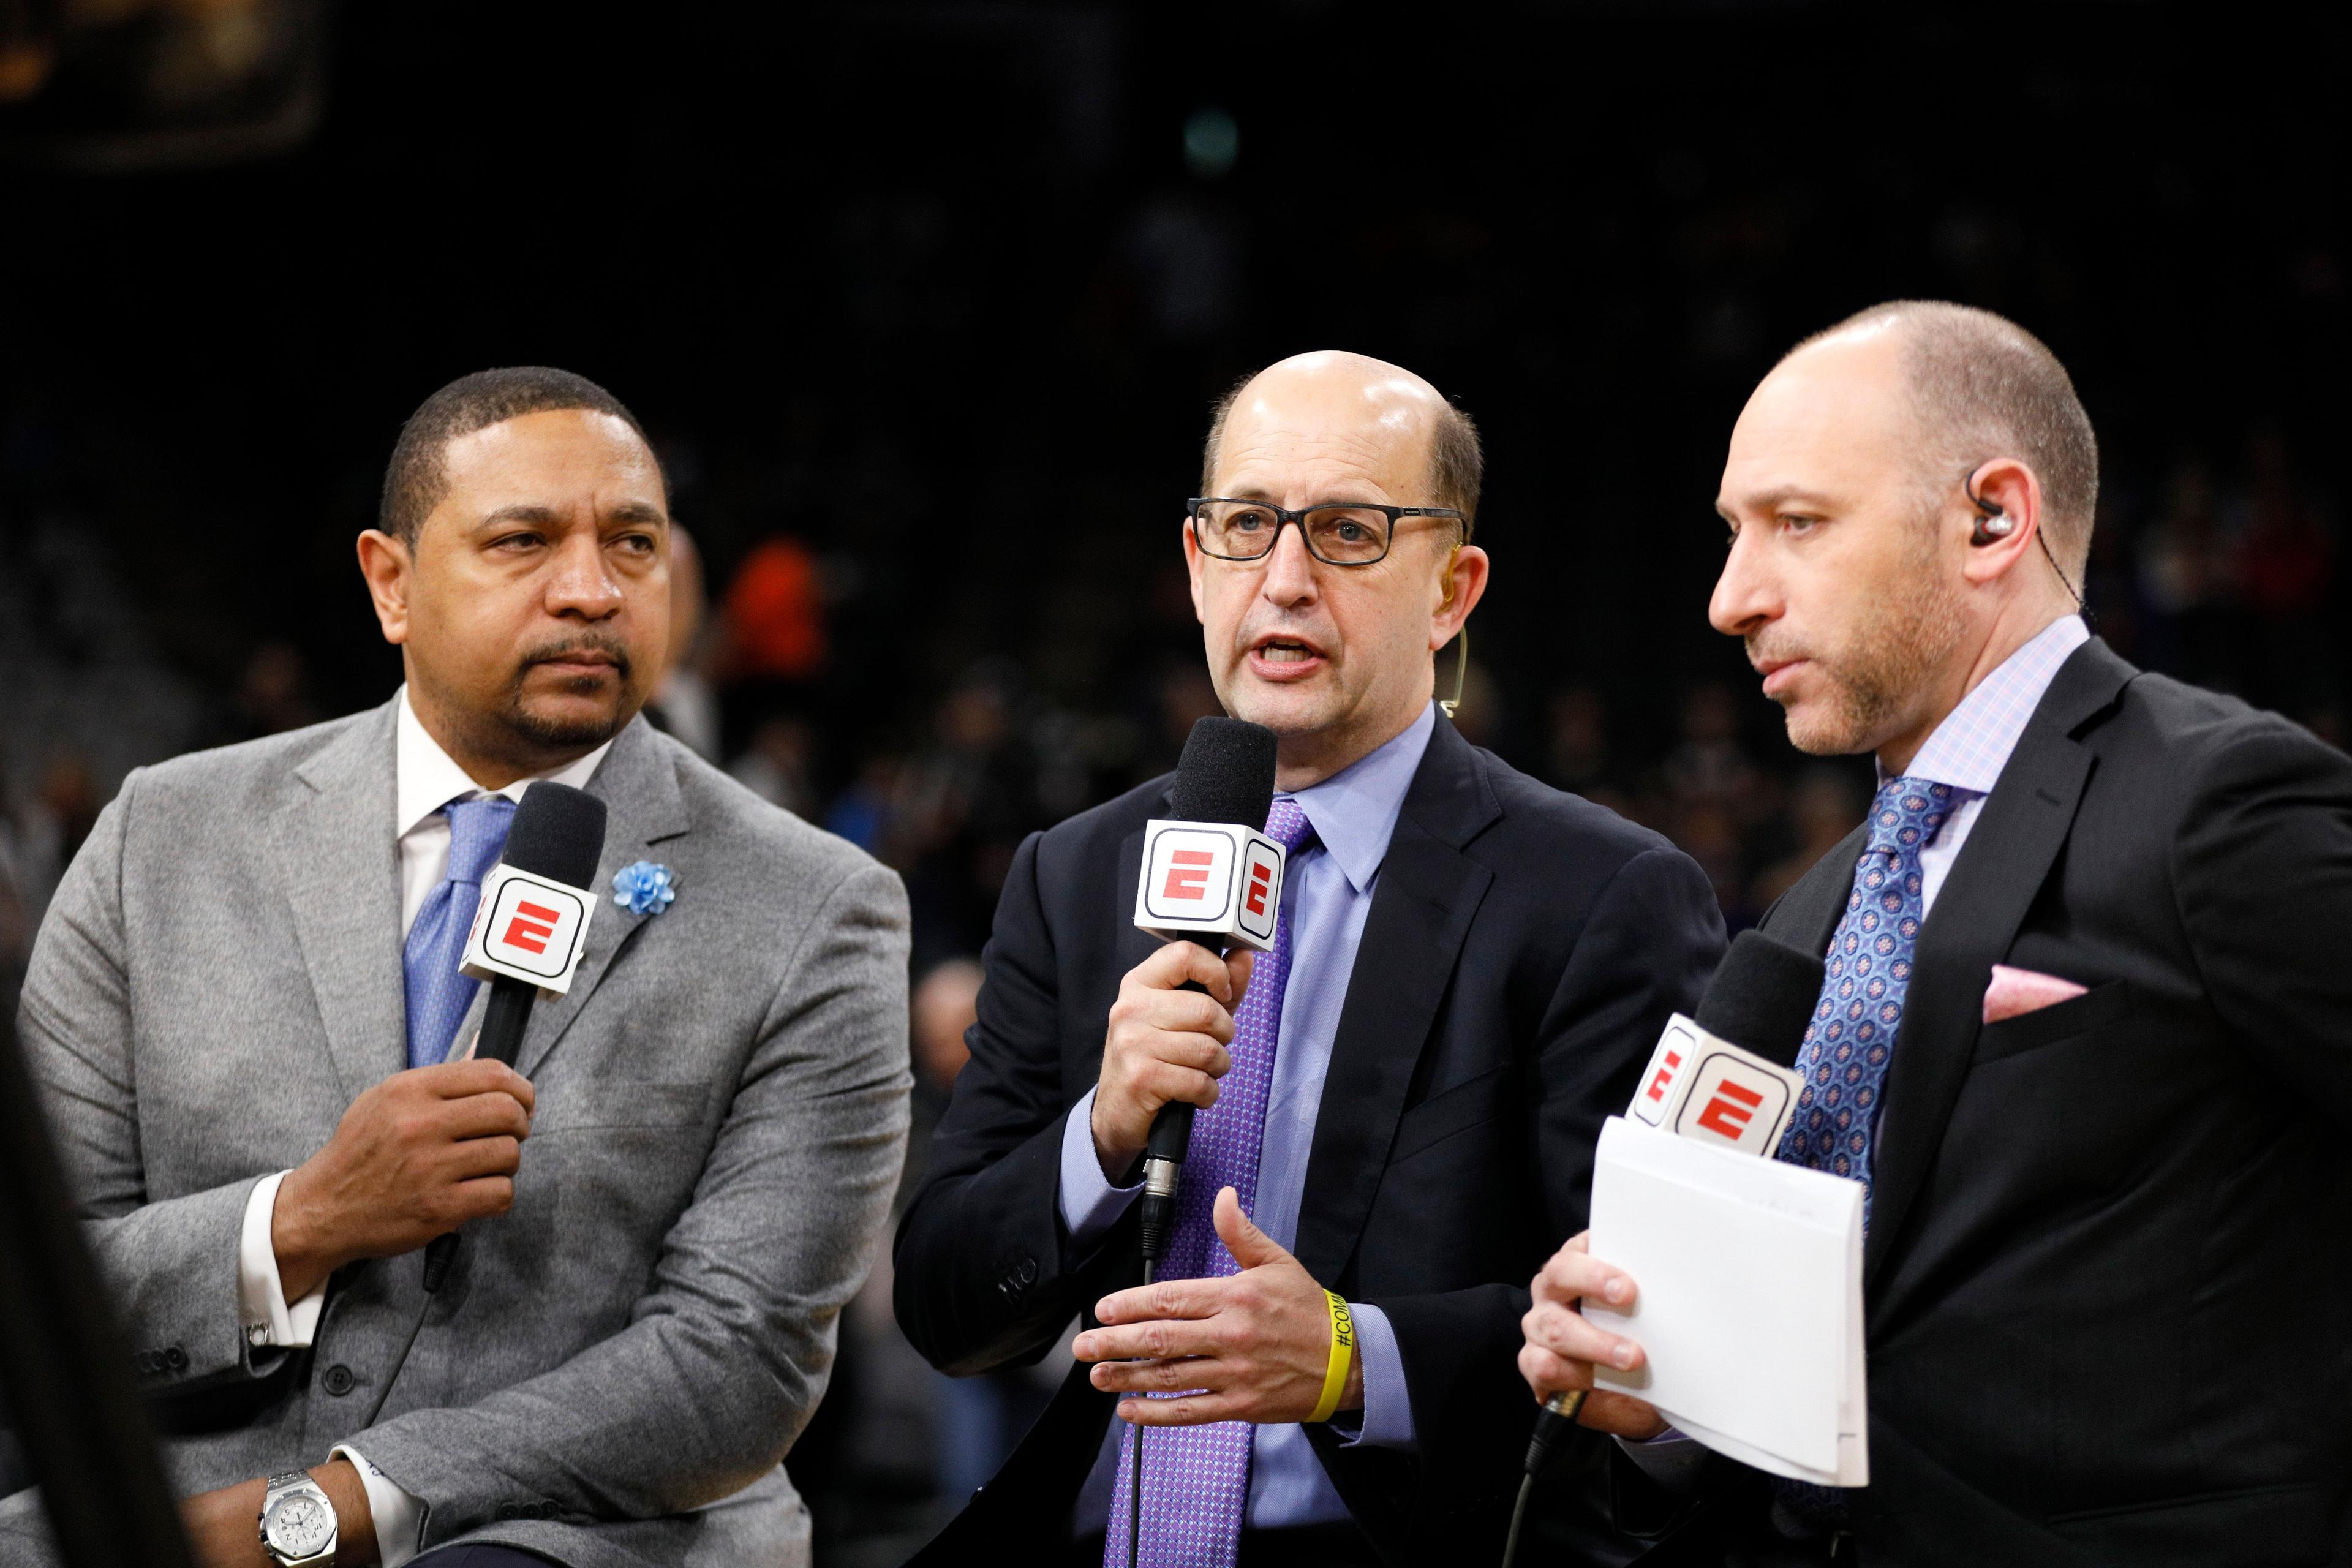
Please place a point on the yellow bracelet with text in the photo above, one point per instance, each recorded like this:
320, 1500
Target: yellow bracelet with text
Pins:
1343, 1356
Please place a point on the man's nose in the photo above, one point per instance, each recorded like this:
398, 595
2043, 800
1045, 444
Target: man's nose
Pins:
1289, 570
580, 583
1744, 596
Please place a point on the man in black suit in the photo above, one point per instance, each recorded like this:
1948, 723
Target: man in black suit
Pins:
1477, 968
2088, 1026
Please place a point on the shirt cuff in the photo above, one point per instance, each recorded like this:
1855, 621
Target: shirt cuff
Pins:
1388, 1405
1670, 1458
1090, 1204
399, 1516
268, 1319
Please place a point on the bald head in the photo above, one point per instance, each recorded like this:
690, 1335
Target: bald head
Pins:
1977, 387
1354, 398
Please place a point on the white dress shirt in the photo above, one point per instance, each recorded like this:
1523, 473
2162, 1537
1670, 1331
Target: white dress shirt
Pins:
425, 781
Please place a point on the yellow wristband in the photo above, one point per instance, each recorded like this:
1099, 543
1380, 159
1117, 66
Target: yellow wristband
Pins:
1343, 1356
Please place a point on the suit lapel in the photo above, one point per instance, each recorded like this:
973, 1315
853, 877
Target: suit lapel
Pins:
1428, 894
637, 781
340, 866
1806, 916
2007, 858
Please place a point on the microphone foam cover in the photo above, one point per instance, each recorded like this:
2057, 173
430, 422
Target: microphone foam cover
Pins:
1762, 997
558, 833
1226, 774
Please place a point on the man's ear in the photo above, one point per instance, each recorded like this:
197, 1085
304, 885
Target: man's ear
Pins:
2012, 493
386, 563
1463, 584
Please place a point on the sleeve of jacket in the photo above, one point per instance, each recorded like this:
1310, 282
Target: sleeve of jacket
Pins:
2262, 871
173, 1265
728, 1351
985, 1275
1645, 950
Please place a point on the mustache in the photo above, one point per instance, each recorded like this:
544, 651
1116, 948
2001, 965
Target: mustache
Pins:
571, 647
1760, 652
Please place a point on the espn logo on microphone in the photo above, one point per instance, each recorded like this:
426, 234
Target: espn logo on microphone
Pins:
1699, 1086
1206, 879
529, 928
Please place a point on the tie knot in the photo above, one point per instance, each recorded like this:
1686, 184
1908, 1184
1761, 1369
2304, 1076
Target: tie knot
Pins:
1287, 826
478, 833
1907, 815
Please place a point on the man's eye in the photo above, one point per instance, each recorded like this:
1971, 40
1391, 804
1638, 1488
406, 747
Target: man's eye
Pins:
515, 541
1797, 522
1248, 522
640, 543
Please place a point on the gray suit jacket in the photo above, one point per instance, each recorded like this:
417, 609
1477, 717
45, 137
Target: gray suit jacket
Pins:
613, 1371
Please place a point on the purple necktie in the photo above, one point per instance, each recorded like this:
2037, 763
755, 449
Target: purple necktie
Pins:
1196, 1478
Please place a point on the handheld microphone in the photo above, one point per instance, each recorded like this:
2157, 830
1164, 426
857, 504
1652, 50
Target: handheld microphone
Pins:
530, 929
1211, 877
1702, 1085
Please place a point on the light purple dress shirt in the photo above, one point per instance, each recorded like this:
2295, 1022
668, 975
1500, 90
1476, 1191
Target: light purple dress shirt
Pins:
1327, 890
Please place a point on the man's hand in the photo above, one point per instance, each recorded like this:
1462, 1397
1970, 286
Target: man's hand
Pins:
1562, 1347
224, 1526
1255, 1344
417, 1155
1163, 1045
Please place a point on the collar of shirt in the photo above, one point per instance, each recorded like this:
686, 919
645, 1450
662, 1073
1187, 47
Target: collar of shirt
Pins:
1354, 812
1971, 747
427, 779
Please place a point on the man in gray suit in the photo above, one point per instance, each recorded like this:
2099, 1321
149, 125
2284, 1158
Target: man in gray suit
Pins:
244, 1011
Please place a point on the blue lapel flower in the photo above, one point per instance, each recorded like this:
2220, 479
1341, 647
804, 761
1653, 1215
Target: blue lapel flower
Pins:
643, 888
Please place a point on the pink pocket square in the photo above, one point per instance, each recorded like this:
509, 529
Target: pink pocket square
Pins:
2016, 992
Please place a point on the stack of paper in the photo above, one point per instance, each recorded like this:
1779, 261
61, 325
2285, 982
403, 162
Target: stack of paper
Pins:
1749, 1278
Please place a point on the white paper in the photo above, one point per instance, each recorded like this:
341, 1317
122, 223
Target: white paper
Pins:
1748, 1275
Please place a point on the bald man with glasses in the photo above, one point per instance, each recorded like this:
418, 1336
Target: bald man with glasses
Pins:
1402, 1098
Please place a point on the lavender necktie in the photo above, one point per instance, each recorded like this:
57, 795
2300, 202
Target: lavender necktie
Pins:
1196, 1484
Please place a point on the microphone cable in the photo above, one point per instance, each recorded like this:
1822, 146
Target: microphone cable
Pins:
1558, 1414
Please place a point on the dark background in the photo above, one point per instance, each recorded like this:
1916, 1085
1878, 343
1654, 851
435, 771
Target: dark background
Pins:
939, 296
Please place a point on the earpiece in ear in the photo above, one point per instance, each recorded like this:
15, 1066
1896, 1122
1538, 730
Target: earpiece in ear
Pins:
1989, 530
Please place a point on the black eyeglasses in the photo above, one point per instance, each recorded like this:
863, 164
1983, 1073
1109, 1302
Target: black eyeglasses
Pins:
1349, 533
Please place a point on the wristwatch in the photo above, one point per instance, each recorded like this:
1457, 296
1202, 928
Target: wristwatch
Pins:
298, 1522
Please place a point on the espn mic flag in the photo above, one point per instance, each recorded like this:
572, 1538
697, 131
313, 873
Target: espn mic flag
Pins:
1210, 879
1699, 1086
531, 922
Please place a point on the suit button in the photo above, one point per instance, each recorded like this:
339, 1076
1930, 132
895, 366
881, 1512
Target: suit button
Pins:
176, 1359
338, 1380
507, 1510
1028, 1273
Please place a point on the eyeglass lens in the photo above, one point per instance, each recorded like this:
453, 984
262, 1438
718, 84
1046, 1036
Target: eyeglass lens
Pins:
1345, 536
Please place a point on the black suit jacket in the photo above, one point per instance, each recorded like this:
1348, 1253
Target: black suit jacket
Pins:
1523, 950
2105, 1282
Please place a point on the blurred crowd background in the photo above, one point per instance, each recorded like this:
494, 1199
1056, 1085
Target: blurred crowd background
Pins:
925, 304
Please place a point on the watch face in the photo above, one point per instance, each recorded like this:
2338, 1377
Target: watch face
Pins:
298, 1526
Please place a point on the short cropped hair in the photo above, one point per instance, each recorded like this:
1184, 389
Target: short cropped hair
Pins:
1982, 387
416, 480
1458, 463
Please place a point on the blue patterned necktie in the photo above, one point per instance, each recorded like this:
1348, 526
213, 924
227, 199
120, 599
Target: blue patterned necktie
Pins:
1196, 1480
1849, 1043
1867, 972
437, 995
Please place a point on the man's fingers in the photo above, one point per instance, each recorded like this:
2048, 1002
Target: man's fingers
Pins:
473, 1157
1251, 1247
476, 1074
1620, 1414
491, 1115
1180, 961
1574, 1275
1240, 965
1164, 1081
1549, 1374
1566, 1333
1162, 1299
1177, 1377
